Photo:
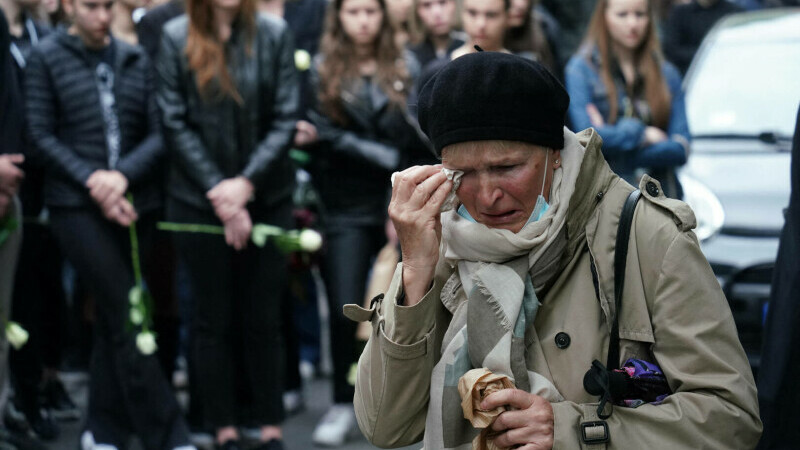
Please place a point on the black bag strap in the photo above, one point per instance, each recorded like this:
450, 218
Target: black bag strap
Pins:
620, 257
602, 380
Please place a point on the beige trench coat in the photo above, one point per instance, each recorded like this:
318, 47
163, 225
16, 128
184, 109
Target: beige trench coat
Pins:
674, 313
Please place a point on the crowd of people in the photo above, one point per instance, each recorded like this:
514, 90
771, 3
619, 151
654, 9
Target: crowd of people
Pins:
118, 114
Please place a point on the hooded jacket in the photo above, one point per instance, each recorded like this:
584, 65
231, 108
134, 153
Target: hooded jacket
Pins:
674, 314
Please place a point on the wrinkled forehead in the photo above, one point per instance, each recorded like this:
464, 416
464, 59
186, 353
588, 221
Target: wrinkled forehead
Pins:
475, 154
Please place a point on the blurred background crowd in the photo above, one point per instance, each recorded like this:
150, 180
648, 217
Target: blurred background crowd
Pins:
231, 115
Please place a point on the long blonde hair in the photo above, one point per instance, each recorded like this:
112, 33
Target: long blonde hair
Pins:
647, 62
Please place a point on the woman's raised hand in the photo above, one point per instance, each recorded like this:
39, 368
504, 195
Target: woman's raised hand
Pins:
417, 197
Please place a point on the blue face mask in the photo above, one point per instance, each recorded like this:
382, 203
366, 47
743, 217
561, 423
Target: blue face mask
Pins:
539, 209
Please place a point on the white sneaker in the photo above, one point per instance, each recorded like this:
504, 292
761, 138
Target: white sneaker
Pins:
88, 443
336, 426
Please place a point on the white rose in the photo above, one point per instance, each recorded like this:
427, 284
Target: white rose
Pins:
302, 60
16, 335
136, 316
146, 342
135, 295
310, 240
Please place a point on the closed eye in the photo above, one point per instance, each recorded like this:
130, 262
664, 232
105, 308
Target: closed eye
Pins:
504, 168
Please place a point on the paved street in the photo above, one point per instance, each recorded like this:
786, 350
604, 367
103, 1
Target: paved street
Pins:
297, 430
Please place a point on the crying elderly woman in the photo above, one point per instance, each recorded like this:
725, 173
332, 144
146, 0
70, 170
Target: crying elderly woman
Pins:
516, 292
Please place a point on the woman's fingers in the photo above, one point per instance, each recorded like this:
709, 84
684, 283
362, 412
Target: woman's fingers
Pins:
511, 438
515, 398
127, 210
237, 229
406, 182
425, 190
438, 197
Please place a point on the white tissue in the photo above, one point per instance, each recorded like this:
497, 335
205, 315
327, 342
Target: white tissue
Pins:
452, 201
453, 175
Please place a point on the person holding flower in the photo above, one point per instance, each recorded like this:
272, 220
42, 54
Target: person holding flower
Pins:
92, 116
228, 93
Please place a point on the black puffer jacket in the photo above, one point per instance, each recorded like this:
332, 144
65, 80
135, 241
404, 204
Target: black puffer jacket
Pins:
211, 140
352, 163
66, 123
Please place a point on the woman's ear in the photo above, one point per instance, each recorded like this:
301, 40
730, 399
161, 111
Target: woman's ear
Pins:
555, 156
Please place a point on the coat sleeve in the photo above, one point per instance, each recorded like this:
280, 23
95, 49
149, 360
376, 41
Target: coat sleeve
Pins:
345, 142
41, 113
714, 403
623, 136
394, 371
284, 112
142, 162
675, 150
189, 150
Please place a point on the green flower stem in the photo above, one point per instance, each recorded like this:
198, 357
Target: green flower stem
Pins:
190, 227
137, 270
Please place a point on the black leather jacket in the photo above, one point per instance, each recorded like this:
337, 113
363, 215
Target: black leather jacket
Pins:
352, 163
211, 140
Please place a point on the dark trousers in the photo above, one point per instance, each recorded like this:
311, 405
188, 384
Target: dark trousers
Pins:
39, 306
237, 340
350, 253
128, 393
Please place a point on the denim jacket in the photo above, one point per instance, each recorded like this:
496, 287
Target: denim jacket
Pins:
622, 141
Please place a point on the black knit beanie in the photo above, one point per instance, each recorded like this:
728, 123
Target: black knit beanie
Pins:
493, 96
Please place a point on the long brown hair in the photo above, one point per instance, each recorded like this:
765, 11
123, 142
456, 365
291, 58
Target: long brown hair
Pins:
206, 52
530, 37
339, 63
647, 63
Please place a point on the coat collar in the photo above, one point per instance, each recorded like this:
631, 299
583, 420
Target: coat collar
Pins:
124, 53
595, 179
353, 102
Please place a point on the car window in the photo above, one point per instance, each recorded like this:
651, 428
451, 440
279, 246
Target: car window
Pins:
745, 89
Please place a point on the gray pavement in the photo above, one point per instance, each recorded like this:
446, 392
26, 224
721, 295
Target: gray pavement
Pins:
297, 429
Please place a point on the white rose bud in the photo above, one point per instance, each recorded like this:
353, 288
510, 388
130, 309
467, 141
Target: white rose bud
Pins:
136, 316
146, 342
310, 240
135, 295
16, 335
302, 60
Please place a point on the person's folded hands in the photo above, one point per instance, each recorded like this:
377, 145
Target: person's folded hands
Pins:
238, 229
229, 196
121, 212
106, 187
